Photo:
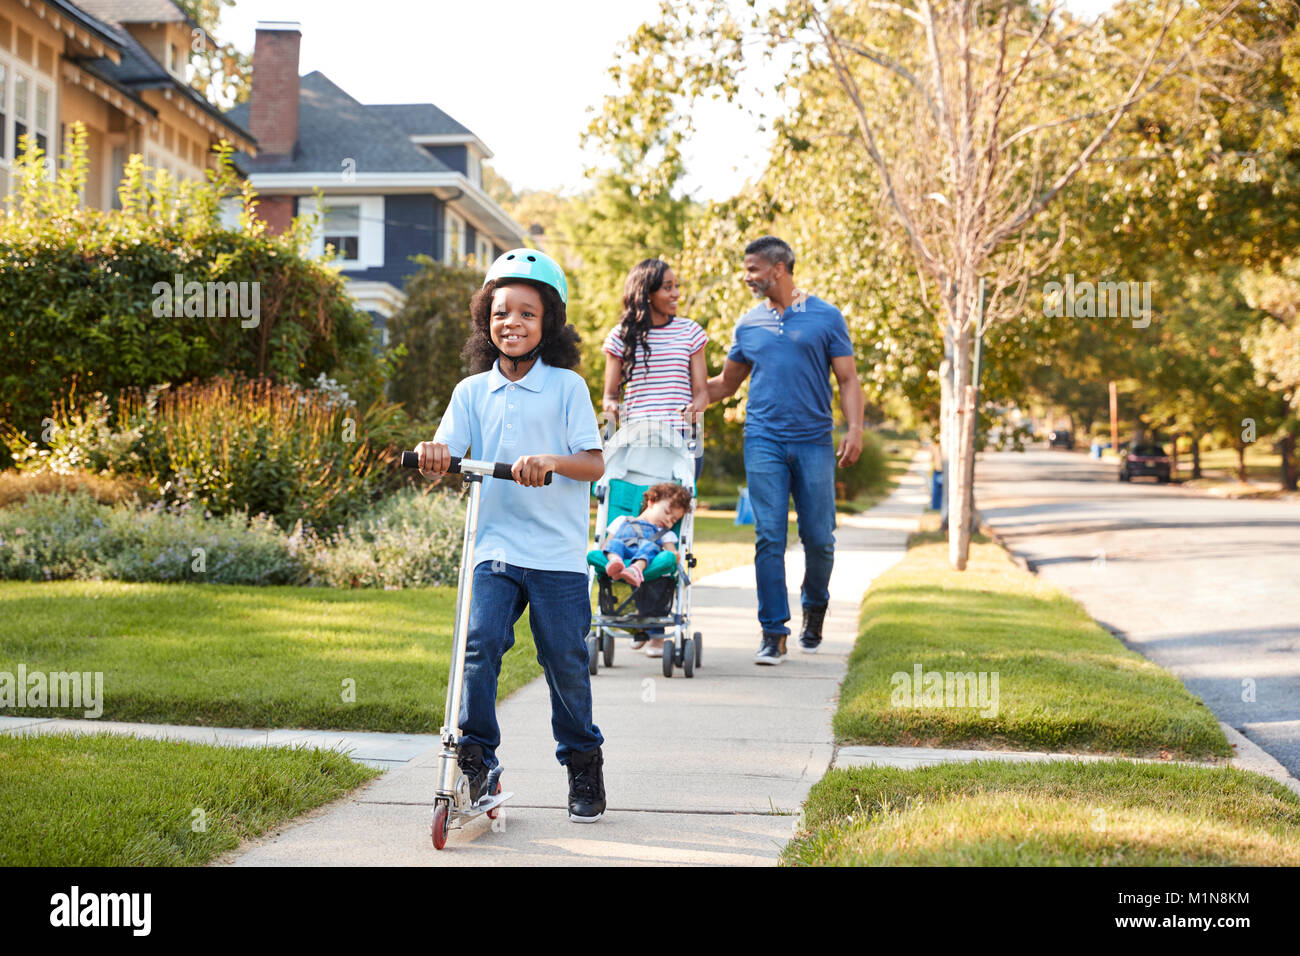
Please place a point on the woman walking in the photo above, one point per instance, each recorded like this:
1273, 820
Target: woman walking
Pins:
654, 361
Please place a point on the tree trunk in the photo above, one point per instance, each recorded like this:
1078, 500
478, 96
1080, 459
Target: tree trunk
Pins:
1196, 455
1241, 462
962, 455
1286, 448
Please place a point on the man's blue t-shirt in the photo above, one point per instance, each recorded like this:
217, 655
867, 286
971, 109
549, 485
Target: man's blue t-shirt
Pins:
790, 385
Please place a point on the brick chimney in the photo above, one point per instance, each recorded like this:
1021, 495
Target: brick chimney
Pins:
273, 102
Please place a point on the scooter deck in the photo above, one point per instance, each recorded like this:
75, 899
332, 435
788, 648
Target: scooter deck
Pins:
485, 804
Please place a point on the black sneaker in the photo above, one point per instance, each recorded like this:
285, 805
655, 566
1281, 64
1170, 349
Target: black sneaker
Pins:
810, 635
772, 650
470, 761
586, 786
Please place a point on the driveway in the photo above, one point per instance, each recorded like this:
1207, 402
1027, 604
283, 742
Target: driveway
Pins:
1207, 588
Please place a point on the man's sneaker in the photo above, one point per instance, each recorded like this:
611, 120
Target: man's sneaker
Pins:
470, 761
586, 786
810, 635
771, 651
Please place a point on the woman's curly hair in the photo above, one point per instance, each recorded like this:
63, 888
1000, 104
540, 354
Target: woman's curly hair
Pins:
559, 339
645, 279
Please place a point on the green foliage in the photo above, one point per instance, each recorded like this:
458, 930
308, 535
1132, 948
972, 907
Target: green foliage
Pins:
84, 293
292, 453
870, 473
410, 539
432, 328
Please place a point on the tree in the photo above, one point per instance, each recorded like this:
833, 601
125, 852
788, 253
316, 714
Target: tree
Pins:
222, 73
1275, 349
432, 328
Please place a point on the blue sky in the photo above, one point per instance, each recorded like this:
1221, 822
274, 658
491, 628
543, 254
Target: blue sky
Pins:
520, 73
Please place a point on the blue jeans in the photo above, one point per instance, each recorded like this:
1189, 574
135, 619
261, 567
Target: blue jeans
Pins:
775, 470
559, 612
629, 551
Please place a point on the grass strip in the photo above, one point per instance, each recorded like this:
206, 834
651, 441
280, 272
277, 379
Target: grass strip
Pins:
1103, 813
1063, 683
230, 656
104, 800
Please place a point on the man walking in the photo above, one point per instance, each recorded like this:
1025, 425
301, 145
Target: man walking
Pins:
791, 342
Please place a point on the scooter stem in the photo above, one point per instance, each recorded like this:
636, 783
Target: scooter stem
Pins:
459, 639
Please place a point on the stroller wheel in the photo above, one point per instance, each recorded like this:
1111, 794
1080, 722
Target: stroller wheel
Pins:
688, 657
593, 657
607, 648
668, 657
698, 640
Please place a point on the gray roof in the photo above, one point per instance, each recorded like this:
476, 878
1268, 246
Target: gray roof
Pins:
333, 127
135, 11
138, 70
415, 119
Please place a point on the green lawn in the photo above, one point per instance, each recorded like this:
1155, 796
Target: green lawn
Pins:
230, 656
103, 800
1063, 682
1107, 813
1221, 464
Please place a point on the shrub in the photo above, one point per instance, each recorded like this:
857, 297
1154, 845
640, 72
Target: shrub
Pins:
432, 328
868, 473
17, 486
411, 539
296, 454
77, 291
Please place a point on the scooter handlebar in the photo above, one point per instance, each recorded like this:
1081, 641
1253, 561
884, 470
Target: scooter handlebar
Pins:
499, 469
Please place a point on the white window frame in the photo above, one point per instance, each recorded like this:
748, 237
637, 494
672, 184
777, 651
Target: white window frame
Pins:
370, 242
483, 253
36, 80
454, 251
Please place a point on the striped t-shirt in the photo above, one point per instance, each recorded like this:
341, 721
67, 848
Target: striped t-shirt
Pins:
660, 387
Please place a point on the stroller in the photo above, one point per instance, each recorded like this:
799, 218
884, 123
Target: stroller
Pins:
640, 454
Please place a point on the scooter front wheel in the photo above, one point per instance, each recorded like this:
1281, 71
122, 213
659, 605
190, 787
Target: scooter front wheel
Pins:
441, 824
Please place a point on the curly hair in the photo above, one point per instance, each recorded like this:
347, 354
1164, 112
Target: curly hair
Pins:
645, 279
560, 340
676, 494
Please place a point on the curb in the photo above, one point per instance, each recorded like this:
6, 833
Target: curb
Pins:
1250, 756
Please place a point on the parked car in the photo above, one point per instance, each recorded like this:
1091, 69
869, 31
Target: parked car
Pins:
1147, 460
1061, 438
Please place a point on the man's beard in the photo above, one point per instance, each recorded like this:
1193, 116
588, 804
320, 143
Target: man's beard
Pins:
760, 288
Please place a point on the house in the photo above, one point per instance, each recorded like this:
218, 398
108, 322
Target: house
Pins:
396, 179
117, 66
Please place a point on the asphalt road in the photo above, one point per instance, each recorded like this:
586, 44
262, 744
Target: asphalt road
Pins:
1207, 588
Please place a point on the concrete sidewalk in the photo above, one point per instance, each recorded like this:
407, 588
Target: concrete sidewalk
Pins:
706, 771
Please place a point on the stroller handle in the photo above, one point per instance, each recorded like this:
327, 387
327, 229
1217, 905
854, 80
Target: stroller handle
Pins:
468, 466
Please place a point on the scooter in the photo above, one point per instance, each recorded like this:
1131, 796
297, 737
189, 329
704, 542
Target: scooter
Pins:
451, 805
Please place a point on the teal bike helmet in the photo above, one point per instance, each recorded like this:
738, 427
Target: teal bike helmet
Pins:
530, 264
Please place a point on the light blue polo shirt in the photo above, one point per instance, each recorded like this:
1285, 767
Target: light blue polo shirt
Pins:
548, 411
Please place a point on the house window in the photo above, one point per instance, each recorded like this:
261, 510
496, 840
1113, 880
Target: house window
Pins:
342, 230
455, 247
484, 253
26, 107
353, 225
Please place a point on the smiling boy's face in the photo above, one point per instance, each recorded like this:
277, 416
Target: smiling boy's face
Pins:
516, 319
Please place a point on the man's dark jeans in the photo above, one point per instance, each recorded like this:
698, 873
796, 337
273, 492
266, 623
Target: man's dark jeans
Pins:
559, 612
775, 471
